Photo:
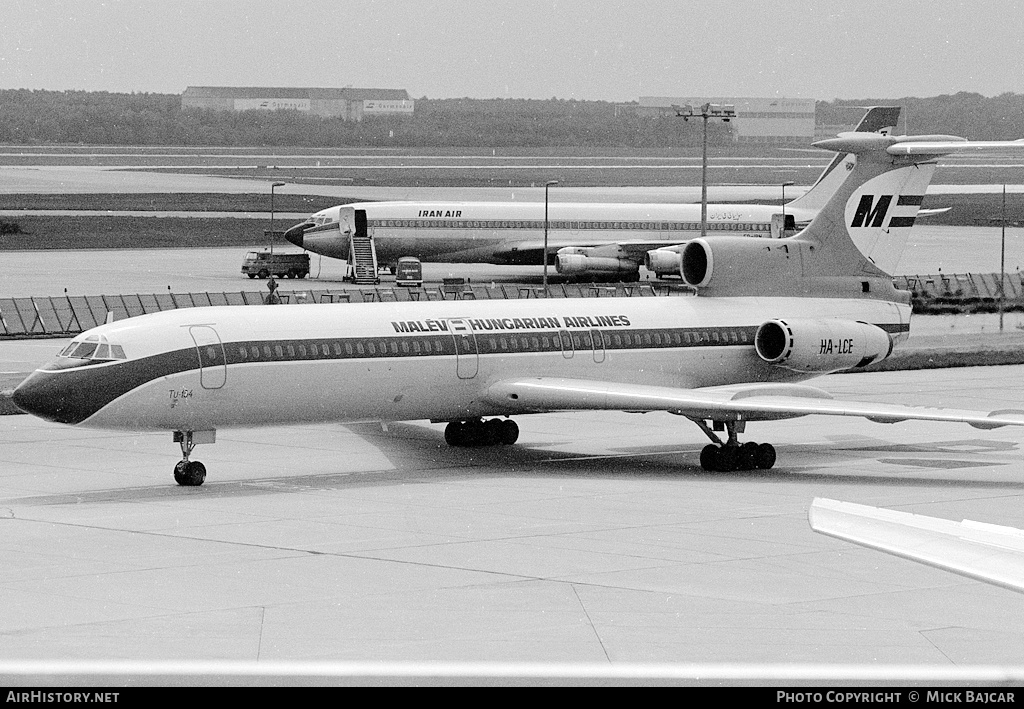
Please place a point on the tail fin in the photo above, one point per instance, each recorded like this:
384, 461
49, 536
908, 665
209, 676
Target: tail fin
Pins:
878, 119
853, 244
864, 228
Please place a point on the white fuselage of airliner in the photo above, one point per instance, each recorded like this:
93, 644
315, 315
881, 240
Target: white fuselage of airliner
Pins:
197, 369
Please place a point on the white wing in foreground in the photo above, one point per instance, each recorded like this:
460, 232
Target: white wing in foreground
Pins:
747, 402
986, 552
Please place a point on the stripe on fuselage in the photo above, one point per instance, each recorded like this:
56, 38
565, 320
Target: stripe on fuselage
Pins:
108, 381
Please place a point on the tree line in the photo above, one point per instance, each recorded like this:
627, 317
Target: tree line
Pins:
61, 117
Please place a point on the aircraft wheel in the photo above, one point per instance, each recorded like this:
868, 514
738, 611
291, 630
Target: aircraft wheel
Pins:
728, 459
748, 456
189, 473
765, 457
454, 434
492, 431
252, 275
509, 432
709, 457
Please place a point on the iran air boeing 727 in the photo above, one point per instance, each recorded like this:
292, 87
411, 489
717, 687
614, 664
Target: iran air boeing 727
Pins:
768, 314
584, 239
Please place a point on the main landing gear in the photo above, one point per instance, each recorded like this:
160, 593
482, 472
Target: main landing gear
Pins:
477, 432
189, 473
732, 455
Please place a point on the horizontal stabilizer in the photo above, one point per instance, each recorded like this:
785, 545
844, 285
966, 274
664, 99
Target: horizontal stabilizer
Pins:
926, 147
923, 145
987, 552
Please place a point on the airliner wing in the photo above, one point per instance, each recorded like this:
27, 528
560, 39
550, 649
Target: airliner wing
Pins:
532, 251
987, 552
749, 402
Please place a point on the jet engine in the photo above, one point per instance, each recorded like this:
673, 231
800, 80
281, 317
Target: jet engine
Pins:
821, 346
572, 262
730, 262
663, 262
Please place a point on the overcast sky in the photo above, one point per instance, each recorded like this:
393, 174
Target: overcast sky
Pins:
584, 49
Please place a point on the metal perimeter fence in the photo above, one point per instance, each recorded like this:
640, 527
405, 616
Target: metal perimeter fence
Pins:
68, 315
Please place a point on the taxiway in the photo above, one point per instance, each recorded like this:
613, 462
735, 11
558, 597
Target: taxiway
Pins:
597, 540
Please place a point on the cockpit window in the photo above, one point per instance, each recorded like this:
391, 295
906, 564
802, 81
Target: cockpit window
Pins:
94, 347
85, 350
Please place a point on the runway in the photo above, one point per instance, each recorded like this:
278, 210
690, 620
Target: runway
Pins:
596, 541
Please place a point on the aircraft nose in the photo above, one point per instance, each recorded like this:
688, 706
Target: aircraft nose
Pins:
294, 234
44, 394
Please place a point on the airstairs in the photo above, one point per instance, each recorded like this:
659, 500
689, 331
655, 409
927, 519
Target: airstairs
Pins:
362, 260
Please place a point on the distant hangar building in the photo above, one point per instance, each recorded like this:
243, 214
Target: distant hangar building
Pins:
348, 104
758, 120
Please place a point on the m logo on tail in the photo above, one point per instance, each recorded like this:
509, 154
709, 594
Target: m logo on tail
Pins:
870, 213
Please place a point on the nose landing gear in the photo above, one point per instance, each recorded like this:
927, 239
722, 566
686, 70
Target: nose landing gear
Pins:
732, 455
190, 473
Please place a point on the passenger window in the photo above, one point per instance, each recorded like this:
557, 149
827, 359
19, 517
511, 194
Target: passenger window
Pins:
348, 348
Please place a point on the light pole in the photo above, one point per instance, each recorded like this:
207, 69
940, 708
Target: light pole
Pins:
1002, 261
547, 186
708, 110
272, 186
784, 186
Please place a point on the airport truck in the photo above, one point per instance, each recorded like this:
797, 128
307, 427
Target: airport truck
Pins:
263, 264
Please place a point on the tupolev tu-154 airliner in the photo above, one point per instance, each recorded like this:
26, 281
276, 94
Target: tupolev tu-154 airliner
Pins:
584, 239
767, 315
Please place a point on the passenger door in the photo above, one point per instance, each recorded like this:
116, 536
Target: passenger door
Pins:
213, 371
467, 357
